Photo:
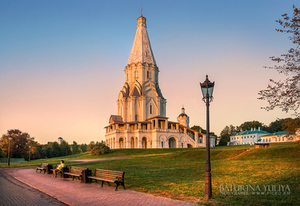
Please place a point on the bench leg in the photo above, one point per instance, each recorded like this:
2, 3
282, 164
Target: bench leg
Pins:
73, 178
102, 184
117, 186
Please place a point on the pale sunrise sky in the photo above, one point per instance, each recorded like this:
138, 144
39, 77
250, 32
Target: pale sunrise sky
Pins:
62, 62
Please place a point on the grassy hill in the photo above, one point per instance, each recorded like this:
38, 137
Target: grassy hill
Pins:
179, 173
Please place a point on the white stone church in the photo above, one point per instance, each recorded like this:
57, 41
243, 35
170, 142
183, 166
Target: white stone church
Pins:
141, 121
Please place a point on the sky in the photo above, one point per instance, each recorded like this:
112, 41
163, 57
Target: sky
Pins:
62, 62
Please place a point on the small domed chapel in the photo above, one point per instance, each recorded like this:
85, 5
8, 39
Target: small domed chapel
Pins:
141, 121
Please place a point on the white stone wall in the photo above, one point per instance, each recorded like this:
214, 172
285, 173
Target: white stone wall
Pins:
157, 138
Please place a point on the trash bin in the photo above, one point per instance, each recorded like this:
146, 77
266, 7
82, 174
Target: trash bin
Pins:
48, 169
85, 174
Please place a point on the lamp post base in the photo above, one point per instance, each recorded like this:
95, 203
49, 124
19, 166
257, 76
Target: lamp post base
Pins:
208, 193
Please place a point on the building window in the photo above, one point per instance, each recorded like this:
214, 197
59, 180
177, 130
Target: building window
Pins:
135, 74
148, 74
162, 144
151, 109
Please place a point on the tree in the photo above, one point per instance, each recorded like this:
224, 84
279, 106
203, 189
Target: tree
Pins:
91, 146
34, 150
19, 145
100, 148
65, 148
75, 148
55, 150
198, 129
226, 133
291, 125
251, 124
275, 126
286, 94
2, 154
83, 147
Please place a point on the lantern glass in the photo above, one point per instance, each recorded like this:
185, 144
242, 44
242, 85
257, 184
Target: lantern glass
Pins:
207, 86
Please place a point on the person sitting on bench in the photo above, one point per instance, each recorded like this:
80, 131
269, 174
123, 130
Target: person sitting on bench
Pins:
58, 168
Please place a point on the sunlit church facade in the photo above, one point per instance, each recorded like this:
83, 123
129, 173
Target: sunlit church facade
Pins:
141, 121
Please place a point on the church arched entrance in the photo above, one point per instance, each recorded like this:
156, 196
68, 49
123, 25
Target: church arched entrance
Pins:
132, 142
172, 142
121, 143
144, 142
189, 146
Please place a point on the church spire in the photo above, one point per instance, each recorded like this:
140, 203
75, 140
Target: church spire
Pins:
141, 50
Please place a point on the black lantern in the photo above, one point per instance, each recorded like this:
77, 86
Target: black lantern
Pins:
207, 88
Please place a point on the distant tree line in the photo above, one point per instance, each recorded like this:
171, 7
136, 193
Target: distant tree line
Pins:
21, 144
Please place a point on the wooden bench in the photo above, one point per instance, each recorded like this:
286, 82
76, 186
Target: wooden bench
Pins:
108, 176
43, 167
75, 172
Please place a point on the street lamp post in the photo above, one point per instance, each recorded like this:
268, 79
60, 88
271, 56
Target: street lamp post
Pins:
29, 152
8, 158
207, 90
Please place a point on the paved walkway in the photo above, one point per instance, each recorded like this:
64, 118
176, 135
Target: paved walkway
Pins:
76, 193
14, 192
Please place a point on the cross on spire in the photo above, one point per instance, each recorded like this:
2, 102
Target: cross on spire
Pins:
141, 10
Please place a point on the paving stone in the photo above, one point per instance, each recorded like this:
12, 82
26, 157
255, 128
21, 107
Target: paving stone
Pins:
76, 193
14, 192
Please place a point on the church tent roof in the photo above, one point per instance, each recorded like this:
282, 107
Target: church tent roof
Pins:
141, 50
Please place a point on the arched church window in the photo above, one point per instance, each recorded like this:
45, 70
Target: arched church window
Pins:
151, 109
135, 74
136, 117
148, 75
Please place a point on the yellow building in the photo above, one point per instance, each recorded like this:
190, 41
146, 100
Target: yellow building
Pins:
281, 136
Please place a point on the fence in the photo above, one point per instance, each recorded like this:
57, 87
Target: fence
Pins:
2, 160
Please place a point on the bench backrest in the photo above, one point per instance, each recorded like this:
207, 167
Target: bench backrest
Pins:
44, 165
77, 170
110, 174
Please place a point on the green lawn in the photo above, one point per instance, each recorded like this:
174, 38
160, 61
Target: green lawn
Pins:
179, 173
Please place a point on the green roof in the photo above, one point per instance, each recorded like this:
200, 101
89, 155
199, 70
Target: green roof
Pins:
276, 133
252, 132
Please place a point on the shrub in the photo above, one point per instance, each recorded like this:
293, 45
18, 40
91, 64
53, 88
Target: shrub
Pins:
99, 149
